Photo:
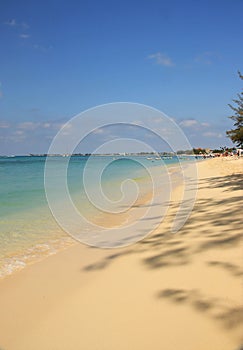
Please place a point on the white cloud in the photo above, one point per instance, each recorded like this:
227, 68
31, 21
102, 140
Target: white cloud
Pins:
161, 59
205, 124
11, 23
193, 123
66, 129
24, 36
42, 48
138, 123
19, 132
46, 125
188, 123
157, 120
19, 26
24, 25
166, 131
212, 134
28, 125
4, 125
14, 23
66, 126
98, 131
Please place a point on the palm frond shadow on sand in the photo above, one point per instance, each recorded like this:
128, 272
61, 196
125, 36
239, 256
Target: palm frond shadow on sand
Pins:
210, 227
229, 317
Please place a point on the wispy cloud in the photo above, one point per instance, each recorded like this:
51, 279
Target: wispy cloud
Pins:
66, 128
28, 125
203, 134
161, 59
19, 26
4, 125
213, 134
207, 57
19, 132
98, 131
11, 23
188, 123
22, 29
24, 25
24, 36
205, 124
193, 123
46, 125
42, 47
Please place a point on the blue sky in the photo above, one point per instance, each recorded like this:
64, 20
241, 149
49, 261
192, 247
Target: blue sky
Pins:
59, 58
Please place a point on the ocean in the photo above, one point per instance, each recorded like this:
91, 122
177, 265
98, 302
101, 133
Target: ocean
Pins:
29, 231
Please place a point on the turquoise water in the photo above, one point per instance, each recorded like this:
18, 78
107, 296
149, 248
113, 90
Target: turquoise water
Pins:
28, 229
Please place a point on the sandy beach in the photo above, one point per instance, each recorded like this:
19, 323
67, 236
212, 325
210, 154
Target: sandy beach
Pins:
168, 291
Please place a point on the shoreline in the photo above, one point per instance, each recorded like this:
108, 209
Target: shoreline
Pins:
19, 260
165, 291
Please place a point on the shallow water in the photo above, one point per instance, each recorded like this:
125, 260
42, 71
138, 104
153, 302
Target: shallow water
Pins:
28, 229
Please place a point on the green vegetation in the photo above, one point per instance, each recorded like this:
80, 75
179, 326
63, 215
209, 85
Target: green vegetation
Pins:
236, 134
199, 150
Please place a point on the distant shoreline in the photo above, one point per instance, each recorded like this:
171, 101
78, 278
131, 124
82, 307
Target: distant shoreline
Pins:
142, 154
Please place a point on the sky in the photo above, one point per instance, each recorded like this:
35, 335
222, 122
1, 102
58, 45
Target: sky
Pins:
59, 58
